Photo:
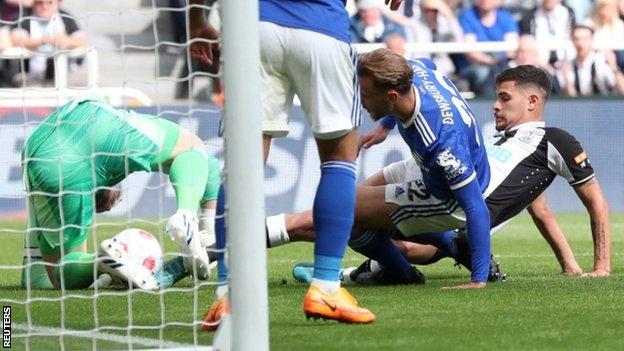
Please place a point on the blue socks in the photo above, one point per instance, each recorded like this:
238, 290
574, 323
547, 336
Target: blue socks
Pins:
334, 206
221, 236
376, 244
443, 241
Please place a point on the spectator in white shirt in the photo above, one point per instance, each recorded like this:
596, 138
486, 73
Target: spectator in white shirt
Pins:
608, 26
437, 23
590, 73
45, 31
550, 24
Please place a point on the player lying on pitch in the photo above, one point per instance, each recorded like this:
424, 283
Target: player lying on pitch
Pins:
524, 159
72, 162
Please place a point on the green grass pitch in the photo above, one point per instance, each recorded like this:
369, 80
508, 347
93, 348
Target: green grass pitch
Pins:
535, 309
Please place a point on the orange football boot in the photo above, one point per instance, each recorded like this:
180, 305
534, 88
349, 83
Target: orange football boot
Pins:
340, 306
214, 313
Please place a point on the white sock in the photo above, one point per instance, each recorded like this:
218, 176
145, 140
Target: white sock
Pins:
276, 228
221, 290
188, 213
207, 234
345, 275
207, 218
375, 266
326, 286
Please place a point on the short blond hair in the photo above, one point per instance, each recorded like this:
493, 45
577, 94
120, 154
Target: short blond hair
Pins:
387, 69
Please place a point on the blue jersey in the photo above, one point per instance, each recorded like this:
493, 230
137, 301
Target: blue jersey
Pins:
448, 146
443, 135
327, 17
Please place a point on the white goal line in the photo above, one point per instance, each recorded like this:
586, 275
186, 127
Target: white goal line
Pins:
34, 330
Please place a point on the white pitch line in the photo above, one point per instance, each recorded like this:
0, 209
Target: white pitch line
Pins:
117, 338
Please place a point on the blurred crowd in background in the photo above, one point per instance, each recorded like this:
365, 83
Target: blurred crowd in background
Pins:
43, 28
581, 70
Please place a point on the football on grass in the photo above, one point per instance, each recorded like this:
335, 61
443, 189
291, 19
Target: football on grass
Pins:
141, 247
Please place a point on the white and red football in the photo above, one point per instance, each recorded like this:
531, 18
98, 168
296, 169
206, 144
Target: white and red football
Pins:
141, 248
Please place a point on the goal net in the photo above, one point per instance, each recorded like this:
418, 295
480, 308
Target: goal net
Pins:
134, 55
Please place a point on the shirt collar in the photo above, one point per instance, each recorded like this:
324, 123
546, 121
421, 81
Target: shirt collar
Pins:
512, 131
416, 108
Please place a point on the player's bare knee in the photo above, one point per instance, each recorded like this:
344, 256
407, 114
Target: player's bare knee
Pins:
342, 148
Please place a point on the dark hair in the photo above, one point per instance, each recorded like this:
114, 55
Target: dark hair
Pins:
527, 75
387, 69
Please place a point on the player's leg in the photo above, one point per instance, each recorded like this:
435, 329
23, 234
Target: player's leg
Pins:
373, 212
208, 204
64, 222
208, 215
188, 167
284, 228
322, 71
174, 270
34, 274
277, 90
277, 96
184, 158
60, 204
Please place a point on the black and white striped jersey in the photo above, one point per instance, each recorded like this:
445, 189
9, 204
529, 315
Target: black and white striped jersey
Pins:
523, 163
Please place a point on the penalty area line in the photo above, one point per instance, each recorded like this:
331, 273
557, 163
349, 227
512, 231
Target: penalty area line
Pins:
116, 338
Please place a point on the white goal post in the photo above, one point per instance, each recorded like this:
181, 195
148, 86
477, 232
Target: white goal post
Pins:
244, 175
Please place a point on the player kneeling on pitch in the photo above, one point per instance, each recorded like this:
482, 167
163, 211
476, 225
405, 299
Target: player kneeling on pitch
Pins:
72, 163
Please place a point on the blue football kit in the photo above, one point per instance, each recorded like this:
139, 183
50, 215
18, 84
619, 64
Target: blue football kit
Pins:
447, 144
327, 17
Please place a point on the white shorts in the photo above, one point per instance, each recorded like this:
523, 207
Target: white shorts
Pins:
321, 70
419, 211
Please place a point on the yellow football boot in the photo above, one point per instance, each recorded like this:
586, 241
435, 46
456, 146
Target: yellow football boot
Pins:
340, 306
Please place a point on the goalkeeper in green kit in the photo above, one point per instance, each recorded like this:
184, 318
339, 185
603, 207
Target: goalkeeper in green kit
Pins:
72, 163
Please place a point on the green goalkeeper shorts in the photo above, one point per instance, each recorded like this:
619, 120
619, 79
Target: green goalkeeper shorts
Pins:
60, 220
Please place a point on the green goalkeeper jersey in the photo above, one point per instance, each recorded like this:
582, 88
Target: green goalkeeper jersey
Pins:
84, 145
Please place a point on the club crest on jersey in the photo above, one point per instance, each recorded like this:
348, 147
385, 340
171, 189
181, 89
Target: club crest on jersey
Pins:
526, 138
453, 167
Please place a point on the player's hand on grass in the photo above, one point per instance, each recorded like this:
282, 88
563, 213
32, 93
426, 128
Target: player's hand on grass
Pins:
394, 4
373, 137
597, 273
572, 270
469, 285
201, 50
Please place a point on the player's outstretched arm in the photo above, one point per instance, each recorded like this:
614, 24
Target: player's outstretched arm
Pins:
591, 195
374, 137
478, 226
548, 226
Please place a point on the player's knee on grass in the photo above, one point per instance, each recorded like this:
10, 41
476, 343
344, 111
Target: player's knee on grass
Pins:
35, 276
75, 270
